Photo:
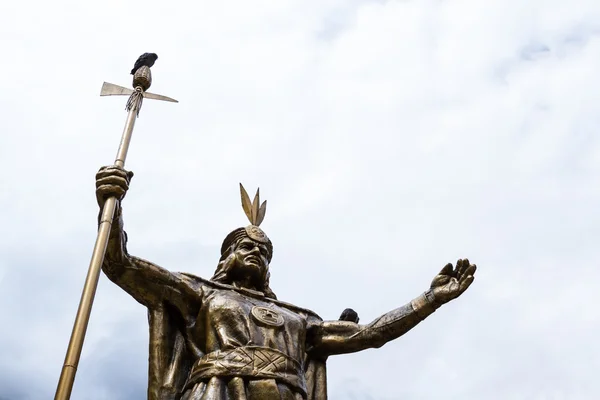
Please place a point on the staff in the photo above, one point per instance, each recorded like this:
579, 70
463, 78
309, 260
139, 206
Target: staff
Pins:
142, 79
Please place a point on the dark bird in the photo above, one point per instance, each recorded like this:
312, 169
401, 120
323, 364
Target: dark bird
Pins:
147, 59
349, 315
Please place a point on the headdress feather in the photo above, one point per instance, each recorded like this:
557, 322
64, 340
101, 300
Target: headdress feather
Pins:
254, 210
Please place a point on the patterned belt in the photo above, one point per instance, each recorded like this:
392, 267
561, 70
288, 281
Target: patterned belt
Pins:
250, 362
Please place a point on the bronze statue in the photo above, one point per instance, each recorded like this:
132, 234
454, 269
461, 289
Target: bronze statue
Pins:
229, 337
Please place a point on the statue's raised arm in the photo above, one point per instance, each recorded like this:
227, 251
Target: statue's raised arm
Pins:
338, 337
148, 283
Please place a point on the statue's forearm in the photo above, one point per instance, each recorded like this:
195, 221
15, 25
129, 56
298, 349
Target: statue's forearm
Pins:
116, 256
395, 323
339, 337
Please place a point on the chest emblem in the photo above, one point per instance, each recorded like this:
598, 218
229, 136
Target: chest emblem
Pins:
267, 316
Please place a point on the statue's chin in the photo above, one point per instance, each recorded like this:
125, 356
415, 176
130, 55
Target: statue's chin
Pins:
248, 272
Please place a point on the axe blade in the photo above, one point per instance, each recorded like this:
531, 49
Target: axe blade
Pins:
109, 89
153, 96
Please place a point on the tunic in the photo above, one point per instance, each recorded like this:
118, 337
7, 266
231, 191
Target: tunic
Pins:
240, 346
230, 320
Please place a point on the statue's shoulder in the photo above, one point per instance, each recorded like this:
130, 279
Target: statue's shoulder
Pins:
193, 278
198, 282
304, 311
208, 284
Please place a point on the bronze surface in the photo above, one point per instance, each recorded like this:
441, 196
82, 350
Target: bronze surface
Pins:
230, 337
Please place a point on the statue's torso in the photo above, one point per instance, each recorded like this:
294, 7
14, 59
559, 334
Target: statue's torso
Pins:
236, 331
229, 319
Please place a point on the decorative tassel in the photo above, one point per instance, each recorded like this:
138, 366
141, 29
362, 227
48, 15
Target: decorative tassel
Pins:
135, 101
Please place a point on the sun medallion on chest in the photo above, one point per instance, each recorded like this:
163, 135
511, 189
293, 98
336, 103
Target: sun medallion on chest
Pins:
267, 316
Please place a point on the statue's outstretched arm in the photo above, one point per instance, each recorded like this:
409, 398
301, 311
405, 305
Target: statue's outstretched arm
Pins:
148, 283
339, 337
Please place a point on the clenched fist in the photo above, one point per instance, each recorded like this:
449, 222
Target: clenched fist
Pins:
112, 181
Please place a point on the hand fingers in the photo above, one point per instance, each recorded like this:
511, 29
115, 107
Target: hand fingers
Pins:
110, 169
113, 170
465, 283
461, 267
111, 185
113, 180
110, 190
471, 270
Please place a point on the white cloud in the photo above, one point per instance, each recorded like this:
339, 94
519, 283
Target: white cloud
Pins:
388, 138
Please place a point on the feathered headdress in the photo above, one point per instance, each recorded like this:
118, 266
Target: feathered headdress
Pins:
256, 214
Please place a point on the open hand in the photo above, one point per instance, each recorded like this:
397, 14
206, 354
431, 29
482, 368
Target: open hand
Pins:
452, 282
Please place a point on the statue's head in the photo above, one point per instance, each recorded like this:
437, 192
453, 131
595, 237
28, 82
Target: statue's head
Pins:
247, 252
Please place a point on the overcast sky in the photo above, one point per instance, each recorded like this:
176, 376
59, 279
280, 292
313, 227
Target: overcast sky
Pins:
389, 138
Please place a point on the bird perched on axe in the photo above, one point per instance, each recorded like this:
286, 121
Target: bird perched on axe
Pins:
147, 59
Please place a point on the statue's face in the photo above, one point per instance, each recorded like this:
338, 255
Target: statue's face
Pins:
252, 259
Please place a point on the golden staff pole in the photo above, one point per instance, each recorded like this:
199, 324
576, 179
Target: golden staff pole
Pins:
141, 81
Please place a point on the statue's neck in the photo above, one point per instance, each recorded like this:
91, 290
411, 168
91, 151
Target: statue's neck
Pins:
246, 284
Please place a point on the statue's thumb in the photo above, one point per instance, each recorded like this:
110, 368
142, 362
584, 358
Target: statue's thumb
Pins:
447, 270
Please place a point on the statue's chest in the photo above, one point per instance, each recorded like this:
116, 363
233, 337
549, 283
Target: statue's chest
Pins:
232, 310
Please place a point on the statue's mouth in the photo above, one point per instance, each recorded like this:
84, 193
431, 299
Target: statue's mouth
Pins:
252, 260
